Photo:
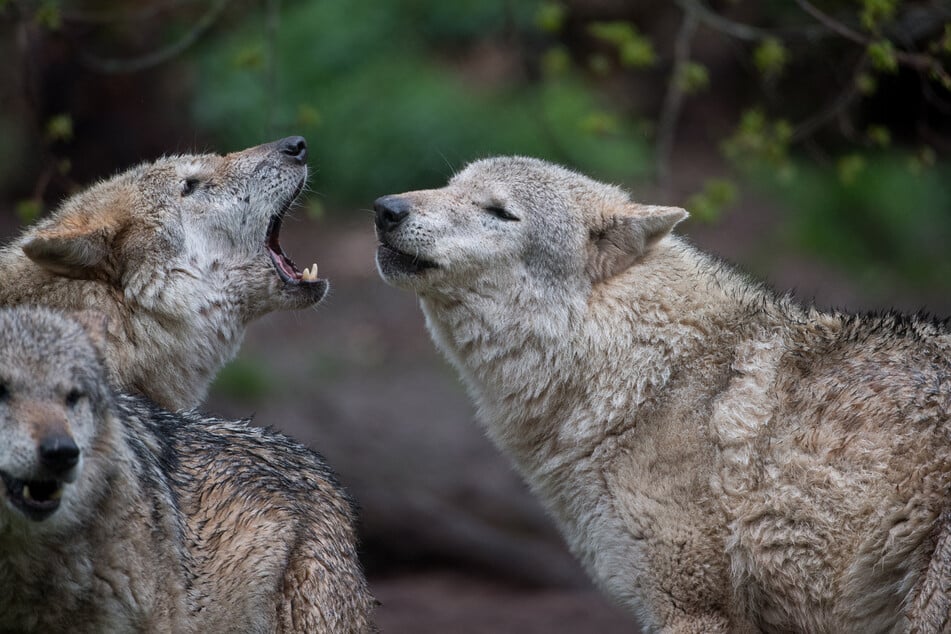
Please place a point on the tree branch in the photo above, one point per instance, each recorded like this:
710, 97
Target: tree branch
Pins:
919, 61
674, 97
111, 65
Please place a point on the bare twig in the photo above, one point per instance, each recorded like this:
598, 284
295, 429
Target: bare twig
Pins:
272, 27
740, 31
841, 103
714, 20
111, 65
673, 99
126, 14
919, 61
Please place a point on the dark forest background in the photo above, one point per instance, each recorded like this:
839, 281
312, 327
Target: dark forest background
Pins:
809, 140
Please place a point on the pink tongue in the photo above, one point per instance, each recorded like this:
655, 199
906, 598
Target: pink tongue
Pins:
284, 264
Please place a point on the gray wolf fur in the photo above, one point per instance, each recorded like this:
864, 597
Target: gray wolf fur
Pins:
719, 458
118, 516
180, 254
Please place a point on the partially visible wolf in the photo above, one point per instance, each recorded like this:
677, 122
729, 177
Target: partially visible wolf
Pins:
719, 458
117, 516
180, 254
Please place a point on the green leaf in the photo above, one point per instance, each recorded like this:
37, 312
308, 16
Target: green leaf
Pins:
693, 77
550, 17
600, 123
882, 54
634, 50
875, 12
770, 57
556, 61
879, 135
60, 128
48, 15
865, 83
28, 210
757, 141
708, 204
849, 168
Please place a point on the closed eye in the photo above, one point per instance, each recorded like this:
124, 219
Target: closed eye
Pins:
73, 397
189, 185
501, 212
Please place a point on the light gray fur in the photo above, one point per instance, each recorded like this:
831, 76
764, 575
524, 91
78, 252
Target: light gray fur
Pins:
720, 459
173, 252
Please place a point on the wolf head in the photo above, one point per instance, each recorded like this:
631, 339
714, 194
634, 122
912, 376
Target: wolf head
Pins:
54, 400
514, 220
157, 231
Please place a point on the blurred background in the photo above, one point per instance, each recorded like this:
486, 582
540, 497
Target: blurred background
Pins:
809, 140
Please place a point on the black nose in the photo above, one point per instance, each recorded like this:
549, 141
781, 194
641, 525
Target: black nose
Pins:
390, 212
293, 147
58, 453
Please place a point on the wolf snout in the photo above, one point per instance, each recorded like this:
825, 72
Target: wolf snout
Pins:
390, 212
293, 147
58, 453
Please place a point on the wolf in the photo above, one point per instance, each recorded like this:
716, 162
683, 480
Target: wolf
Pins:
180, 254
119, 516
720, 458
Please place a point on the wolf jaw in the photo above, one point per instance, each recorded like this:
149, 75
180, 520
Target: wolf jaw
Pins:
283, 265
392, 261
36, 499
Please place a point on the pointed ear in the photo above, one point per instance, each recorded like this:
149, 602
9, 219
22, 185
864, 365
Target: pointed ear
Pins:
71, 250
627, 236
96, 325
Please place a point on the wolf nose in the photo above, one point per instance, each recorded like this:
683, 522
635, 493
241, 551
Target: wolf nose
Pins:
294, 147
390, 212
58, 453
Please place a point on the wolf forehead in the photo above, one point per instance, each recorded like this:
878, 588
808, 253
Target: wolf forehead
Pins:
535, 181
34, 336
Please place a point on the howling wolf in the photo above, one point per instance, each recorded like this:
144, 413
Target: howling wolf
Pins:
118, 516
719, 458
180, 254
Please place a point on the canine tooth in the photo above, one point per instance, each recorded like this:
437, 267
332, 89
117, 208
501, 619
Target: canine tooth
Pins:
309, 274
57, 494
26, 492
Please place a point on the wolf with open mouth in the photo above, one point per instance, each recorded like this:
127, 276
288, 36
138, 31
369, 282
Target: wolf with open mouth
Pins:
180, 254
120, 516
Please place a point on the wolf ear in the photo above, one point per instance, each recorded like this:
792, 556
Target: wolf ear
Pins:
71, 251
627, 236
96, 325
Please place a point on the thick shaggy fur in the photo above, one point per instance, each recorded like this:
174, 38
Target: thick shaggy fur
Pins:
168, 522
180, 254
720, 459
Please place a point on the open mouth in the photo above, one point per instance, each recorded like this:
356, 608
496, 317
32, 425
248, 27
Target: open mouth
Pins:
394, 260
285, 267
37, 499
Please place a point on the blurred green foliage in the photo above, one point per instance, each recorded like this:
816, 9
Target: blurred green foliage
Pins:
395, 96
387, 106
246, 380
872, 216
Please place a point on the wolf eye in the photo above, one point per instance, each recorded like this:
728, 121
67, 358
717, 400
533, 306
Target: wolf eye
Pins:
73, 397
189, 185
500, 212
4, 392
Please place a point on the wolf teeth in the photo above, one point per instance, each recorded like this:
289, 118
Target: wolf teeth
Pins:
28, 495
310, 274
